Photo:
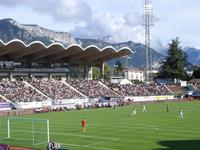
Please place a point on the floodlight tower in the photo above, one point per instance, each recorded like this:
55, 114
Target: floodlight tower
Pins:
148, 22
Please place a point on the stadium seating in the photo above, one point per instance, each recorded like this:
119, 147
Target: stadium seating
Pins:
197, 84
2, 100
55, 89
174, 87
140, 89
92, 88
18, 91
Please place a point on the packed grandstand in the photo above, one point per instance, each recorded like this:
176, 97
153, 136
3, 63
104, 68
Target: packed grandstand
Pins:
54, 90
30, 80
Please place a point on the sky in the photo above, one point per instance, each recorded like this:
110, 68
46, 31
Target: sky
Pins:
111, 20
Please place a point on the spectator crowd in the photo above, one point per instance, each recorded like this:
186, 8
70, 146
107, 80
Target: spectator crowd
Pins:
93, 88
18, 91
140, 89
41, 89
55, 89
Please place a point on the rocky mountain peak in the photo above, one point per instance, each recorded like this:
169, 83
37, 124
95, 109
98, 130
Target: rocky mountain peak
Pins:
33, 32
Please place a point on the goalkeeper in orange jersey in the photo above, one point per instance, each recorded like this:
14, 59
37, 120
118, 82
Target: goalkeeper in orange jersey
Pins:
84, 124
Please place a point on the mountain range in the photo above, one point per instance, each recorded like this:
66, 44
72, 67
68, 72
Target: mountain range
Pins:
11, 29
136, 59
193, 55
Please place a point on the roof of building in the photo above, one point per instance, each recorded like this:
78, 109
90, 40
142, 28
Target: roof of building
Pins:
17, 51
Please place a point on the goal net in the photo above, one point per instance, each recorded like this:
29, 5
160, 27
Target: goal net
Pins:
31, 130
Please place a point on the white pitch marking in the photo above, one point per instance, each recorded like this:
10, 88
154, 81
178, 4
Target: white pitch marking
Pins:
94, 143
86, 136
127, 127
113, 125
86, 146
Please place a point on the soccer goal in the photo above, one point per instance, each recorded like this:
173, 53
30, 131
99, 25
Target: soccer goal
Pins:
25, 129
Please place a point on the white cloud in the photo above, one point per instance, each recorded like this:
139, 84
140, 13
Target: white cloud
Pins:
11, 3
72, 11
89, 24
120, 20
133, 19
118, 28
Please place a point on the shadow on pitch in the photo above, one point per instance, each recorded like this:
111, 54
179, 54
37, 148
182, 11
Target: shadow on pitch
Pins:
180, 145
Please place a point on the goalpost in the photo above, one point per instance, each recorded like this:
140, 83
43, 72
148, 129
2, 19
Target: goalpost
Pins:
26, 129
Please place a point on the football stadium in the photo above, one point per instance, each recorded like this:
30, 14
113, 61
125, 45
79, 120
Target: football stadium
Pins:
46, 91
97, 75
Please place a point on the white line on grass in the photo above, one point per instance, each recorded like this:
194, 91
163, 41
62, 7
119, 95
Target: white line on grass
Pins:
125, 127
70, 134
95, 143
134, 124
86, 146
85, 136
65, 123
113, 125
27, 139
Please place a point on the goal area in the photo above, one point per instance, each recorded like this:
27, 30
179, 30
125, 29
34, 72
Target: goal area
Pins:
29, 130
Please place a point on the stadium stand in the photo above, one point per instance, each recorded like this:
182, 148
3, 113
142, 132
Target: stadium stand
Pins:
197, 84
2, 99
55, 89
175, 88
140, 89
39, 66
18, 91
92, 88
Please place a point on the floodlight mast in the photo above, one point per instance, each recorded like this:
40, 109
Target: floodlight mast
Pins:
148, 22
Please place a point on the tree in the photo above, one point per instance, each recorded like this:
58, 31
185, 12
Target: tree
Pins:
174, 66
196, 73
107, 71
97, 72
119, 67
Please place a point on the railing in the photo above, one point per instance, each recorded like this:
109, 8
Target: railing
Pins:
30, 70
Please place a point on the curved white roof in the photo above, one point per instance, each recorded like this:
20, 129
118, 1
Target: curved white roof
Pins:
17, 50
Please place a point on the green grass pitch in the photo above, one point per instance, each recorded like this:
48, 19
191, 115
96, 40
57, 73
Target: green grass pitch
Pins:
116, 129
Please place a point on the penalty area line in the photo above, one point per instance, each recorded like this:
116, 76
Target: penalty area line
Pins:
125, 127
85, 136
88, 146
94, 143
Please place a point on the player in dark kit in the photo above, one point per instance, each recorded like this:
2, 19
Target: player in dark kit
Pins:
167, 108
